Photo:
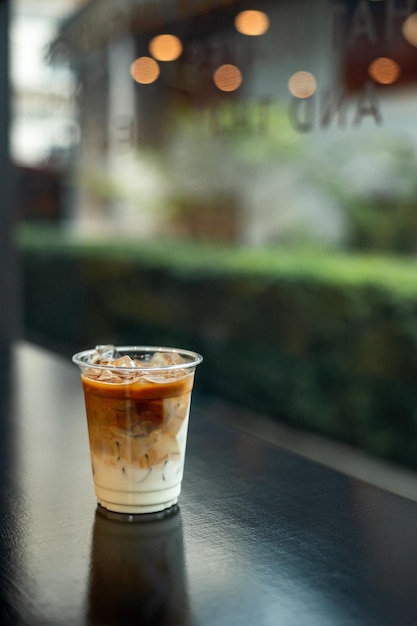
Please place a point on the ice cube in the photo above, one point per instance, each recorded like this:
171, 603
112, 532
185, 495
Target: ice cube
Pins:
166, 359
162, 446
175, 412
124, 361
104, 353
91, 372
167, 376
108, 376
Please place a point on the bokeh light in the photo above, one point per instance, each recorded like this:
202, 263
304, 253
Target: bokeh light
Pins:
165, 47
384, 70
252, 23
227, 77
144, 70
409, 29
302, 84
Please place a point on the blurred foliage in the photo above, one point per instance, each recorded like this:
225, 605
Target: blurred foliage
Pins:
338, 268
372, 178
323, 341
384, 225
239, 172
255, 132
354, 193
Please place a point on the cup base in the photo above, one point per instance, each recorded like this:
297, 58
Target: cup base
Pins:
136, 510
137, 503
140, 517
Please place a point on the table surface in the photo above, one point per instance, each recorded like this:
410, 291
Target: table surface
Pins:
262, 536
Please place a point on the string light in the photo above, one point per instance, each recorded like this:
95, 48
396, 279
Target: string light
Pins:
409, 29
384, 70
145, 70
227, 77
165, 47
302, 84
252, 23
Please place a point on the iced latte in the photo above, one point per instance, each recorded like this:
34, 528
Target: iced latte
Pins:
137, 403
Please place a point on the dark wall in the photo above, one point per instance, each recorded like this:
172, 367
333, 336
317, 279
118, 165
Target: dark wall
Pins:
8, 274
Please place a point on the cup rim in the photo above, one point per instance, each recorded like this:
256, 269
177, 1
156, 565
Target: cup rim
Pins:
81, 359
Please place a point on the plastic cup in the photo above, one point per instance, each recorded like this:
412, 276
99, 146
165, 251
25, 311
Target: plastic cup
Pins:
137, 402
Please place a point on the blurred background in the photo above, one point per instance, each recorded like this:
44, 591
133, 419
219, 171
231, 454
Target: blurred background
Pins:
238, 177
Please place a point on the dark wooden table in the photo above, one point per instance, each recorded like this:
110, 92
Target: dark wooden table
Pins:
262, 537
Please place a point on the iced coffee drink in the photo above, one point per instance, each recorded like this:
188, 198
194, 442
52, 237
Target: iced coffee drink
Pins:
137, 402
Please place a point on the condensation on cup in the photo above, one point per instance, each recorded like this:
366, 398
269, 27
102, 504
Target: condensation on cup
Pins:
138, 404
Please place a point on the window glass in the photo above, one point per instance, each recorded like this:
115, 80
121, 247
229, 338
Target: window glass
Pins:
234, 175
262, 123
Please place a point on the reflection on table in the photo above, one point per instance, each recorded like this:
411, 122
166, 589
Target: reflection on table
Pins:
137, 572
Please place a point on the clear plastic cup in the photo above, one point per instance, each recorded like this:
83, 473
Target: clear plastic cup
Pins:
137, 403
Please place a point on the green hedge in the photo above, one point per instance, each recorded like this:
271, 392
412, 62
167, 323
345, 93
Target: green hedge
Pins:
323, 341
